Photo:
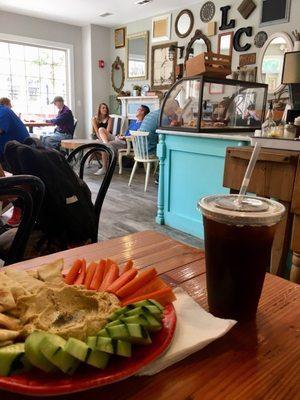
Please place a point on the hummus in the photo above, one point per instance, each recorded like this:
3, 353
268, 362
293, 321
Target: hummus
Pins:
68, 311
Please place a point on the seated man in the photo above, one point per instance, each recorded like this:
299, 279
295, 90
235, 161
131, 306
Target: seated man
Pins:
5, 101
119, 142
64, 125
11, 128
150, 124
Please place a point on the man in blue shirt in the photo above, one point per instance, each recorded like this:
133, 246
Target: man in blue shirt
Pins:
150, 124
11, 128
64, 125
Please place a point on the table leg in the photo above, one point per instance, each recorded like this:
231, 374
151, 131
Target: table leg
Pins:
295, 270
30, 129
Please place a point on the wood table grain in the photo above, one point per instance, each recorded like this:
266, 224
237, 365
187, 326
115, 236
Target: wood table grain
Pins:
258, 360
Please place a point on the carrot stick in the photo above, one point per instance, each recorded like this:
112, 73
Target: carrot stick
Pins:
73, 272
127, 266
81, 276
110, 277
124, 278
109, 262
163, 296
139, 281
89, 274
151, 286
98, 276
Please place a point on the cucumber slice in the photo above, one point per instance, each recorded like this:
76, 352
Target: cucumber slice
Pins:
136, 319
103, 333
154, 311
114, 323
33, 353
52, 348
145, 310
98, 359
134, 311
11, 358
118, 312
153, 324
157, 304
118, 332
91, 342
105, 344
138, 334
142, 303
123, 348
77, 349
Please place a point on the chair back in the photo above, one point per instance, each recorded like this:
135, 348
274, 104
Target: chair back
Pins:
140, 145
88, 150
75, 124
118, 123
30, 190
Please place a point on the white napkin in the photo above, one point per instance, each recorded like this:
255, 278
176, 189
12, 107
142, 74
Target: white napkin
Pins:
195, 329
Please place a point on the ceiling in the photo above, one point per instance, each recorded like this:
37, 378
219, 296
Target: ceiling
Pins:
84, 12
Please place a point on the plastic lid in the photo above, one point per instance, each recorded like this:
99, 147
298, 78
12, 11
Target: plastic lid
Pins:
253, 211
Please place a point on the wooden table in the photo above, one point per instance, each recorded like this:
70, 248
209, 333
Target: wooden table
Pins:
71, 144
259, 360
33, 124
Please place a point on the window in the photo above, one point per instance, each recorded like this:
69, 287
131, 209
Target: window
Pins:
31, 76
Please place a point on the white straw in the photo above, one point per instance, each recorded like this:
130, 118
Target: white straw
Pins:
248, 173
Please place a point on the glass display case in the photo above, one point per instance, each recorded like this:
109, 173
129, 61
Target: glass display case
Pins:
205, 104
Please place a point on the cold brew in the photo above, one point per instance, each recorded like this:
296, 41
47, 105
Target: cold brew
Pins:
238, 243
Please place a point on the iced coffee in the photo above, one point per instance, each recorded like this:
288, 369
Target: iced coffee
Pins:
238, 242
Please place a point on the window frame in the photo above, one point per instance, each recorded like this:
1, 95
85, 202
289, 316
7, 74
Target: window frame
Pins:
69, 48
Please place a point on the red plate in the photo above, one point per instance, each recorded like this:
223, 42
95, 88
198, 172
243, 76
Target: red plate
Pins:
38, 383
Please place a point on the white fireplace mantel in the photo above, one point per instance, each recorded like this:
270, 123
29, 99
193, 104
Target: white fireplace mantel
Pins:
131, 103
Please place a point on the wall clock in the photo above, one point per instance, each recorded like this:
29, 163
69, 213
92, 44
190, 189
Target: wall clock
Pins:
260, 39
207, 11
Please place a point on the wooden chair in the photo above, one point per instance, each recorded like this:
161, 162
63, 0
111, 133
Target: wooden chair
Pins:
141, 155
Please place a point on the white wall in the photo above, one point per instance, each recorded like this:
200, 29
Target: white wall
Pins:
253, 20
55, 32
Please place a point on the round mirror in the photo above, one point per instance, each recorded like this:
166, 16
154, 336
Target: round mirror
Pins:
184, 23
117, 75
271, 59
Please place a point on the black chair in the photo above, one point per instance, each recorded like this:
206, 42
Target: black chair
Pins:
88, 150
75, 124
30, 191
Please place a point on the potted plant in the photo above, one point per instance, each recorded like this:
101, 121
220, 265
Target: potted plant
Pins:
136, 90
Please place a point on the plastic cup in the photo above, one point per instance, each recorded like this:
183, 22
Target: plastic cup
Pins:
238, 243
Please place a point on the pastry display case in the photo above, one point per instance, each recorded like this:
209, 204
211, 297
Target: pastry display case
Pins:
205, 104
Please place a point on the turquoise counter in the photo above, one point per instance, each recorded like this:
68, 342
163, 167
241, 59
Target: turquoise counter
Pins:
191, 166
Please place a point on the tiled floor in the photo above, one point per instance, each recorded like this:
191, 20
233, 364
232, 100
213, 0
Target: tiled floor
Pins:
130, 209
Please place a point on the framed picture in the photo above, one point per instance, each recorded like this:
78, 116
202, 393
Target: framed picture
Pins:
225, 43
163, 70
120, 35
216, 88
274, 12
161, 28
246, 73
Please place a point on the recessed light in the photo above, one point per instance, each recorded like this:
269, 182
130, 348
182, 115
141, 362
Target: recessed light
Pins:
142, 2
107, 14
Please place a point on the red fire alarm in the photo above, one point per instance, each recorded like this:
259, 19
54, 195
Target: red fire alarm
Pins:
101, 63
